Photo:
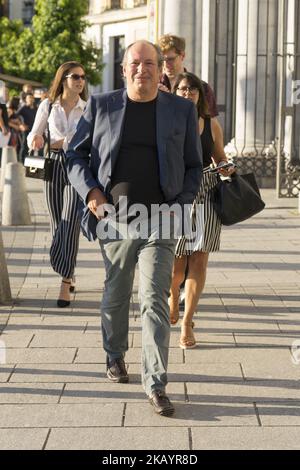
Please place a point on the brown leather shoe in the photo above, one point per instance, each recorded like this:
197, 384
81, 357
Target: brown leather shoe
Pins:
161, 403
116, 370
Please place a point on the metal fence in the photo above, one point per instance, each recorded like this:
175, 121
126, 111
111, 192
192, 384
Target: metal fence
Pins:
257, 64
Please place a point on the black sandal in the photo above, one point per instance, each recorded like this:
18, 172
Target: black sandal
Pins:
61, 302
73, 284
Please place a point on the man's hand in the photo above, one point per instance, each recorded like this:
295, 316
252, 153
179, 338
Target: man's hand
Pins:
162, 87
96, 201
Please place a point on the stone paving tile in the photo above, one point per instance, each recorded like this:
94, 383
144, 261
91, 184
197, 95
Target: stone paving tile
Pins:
246, 438
147, 438
196, 373
5, 372
38, 325
259, 319
263, 391
23, 439
213, 310
40, 355
274, 340
232, 326
111, 392
26, 393
252, 287
68, 416
58, 373
25, 312
190, 415
206, 338
55, 316
16, 340
260, 313
133, 355
72, 339
214, 354
270, 369
3, 318
290, 328
20, 323
91, 356
279, 414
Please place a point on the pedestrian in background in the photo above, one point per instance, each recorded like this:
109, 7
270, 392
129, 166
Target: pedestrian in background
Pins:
14, 123
173, 49
26, 88
191, 258
62, 110
27, 113
4, 129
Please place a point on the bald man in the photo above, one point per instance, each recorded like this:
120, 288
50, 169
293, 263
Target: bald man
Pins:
143, 145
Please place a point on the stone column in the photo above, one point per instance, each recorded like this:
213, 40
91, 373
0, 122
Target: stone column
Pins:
255, 106
292, 85
206, 44
179, 18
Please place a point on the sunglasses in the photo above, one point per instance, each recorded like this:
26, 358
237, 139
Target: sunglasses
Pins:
75, 76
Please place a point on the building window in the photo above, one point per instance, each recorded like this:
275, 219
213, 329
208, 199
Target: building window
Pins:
115, 4
119, 48
4, 8
121, 4
28, 12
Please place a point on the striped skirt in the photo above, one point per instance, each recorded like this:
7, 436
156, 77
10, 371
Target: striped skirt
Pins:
206, 224
62, 202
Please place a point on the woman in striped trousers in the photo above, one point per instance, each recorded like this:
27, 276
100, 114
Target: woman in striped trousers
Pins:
191, 255
62, 111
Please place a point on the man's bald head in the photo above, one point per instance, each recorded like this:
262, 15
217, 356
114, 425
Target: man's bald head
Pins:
160, 58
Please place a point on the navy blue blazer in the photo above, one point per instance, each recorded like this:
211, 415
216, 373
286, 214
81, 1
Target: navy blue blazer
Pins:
93, 151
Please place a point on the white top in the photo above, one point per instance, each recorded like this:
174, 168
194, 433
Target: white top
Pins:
60, 126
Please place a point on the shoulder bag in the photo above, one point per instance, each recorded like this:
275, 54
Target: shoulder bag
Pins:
237, 199
40, 167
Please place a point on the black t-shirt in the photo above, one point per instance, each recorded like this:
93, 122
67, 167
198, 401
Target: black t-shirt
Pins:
28, 115
136, 172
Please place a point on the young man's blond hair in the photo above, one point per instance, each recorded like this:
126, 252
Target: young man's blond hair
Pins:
169, 41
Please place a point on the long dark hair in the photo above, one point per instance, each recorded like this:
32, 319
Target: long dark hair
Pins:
193, 80
56, 88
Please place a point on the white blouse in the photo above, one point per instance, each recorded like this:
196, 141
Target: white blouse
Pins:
60, 126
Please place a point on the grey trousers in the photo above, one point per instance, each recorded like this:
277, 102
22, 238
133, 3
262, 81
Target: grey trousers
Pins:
155, 258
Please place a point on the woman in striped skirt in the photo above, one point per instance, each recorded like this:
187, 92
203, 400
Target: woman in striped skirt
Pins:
191, 256
62, 111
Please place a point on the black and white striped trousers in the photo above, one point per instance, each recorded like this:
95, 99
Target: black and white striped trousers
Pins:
62, 203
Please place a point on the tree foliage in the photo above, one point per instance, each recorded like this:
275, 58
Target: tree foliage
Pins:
56, 37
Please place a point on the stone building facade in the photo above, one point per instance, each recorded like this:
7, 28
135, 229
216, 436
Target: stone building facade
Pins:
248, 50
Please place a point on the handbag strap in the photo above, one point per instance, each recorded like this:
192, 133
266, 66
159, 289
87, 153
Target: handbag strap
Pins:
48, 132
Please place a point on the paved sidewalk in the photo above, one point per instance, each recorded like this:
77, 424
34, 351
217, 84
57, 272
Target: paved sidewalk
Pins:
239, 389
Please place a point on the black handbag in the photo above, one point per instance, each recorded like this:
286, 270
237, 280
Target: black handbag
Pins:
237, 199
40, 167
